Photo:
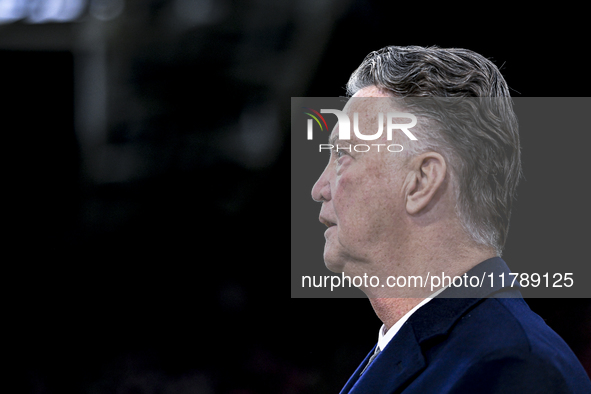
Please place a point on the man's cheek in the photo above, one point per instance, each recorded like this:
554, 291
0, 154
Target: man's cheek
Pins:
348, 184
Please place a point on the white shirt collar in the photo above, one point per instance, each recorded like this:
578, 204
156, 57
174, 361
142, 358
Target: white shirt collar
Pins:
385, 337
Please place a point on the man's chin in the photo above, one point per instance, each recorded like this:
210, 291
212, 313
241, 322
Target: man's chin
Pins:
333, 264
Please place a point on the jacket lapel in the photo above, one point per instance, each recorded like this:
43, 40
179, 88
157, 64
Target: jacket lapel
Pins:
393, 367
353, 379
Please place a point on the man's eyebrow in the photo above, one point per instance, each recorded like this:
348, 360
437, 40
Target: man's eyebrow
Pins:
334, 140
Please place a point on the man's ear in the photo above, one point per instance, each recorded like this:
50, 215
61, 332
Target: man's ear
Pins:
424, 181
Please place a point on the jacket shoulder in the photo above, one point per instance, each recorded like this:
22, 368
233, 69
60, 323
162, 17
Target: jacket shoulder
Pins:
501, 345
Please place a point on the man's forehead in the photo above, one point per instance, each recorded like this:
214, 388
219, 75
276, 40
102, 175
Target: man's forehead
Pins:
372, 91
370, 100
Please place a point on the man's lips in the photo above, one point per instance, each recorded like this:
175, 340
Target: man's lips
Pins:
327, 222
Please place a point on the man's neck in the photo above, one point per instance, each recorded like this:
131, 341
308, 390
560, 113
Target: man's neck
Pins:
390, 310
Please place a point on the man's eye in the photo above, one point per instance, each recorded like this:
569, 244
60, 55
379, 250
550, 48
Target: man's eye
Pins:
339, 153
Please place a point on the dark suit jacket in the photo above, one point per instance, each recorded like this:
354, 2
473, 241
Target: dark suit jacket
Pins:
485, 344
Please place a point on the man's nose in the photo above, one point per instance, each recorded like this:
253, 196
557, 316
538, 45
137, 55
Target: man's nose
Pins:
321, 189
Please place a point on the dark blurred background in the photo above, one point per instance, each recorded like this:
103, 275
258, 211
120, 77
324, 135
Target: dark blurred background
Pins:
148, 184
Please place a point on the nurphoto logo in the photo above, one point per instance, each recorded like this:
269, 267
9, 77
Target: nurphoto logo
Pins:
345, 129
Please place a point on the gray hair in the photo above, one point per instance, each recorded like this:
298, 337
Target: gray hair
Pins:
477, 134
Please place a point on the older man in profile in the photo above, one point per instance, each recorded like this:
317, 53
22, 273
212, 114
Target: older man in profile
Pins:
442, 205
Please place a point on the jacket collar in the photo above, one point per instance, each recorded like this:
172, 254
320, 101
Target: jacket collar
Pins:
440, 314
